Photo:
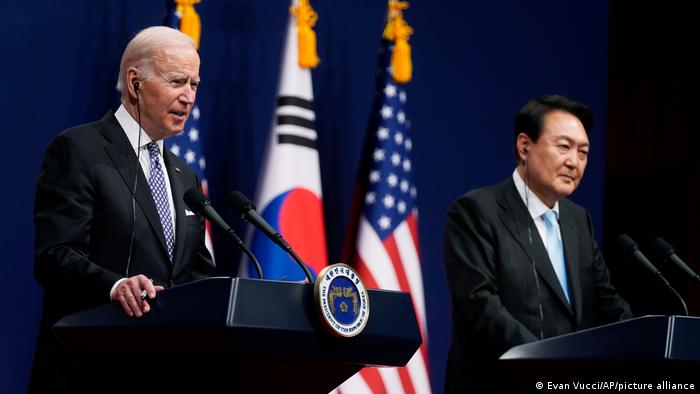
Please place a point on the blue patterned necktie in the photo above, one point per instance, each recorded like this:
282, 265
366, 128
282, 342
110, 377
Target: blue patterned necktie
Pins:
156, 182
555, 250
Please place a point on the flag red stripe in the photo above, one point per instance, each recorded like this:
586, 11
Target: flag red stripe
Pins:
371, 375
406, 380
207, 227
412, 222
364, 273
424, 352
373, 380
393, 252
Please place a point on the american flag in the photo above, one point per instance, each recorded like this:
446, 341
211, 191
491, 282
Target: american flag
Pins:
188, 144
383, 237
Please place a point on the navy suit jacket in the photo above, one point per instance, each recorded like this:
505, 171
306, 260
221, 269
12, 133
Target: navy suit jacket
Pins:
504, 289
84, 219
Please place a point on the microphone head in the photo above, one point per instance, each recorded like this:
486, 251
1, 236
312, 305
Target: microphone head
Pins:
662, 247
196, 200
239, 202
627, 244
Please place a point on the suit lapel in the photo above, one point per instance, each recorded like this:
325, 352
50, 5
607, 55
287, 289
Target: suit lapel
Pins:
517, 220
122, 155
177, 188
571, 253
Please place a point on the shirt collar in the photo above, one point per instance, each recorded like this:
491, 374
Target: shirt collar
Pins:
131, 129
534, 205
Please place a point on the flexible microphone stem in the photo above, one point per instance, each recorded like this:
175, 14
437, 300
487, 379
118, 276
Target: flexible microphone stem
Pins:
678, 296
199, 203
277, 239
295, 257
241, 204
666, 283
232, 236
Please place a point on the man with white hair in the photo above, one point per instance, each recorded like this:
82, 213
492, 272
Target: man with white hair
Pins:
109, 214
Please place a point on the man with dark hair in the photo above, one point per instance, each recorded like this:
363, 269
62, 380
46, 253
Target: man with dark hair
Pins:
521, 259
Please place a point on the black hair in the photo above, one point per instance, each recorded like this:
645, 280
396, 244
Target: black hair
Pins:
530, 117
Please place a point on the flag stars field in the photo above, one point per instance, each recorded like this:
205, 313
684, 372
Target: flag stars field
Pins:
401, 206
378, 155
193, 134
370, 198
387, 112
384, 222
190, 157
390, 90
401, 117
382, 133
388, 201
392, 180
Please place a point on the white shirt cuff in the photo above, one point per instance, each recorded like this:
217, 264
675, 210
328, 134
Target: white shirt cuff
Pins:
114, 287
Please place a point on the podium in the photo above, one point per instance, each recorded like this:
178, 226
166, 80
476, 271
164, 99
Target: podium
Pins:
235, 335
646, 350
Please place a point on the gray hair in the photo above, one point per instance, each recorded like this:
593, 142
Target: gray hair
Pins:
142, 49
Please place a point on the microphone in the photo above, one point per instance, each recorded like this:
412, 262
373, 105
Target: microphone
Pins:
630, 247
199, 203
663, 248
243, 206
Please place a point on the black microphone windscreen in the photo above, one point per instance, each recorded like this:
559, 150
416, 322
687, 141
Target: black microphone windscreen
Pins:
195, 199
627, 244
662, 247
239, 202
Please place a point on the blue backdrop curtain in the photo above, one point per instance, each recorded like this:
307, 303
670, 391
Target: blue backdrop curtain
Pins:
475, 65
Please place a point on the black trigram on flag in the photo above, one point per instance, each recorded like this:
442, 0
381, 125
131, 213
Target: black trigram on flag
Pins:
295, 122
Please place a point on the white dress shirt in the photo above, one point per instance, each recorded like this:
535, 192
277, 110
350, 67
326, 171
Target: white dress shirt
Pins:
536, 207
131, 129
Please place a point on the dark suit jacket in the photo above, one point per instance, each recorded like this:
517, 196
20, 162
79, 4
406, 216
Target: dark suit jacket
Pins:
84, 219
499, 280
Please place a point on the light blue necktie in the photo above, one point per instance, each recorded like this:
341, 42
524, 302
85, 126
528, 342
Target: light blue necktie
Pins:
555, 250
156, 182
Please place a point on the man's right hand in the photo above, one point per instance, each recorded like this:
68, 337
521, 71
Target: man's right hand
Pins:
128, 294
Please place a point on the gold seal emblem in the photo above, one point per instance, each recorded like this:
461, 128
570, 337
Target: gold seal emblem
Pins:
342, 300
